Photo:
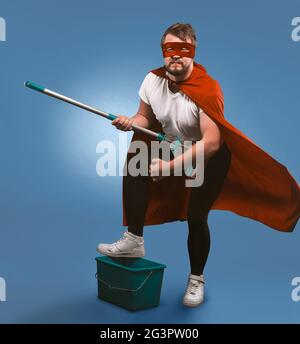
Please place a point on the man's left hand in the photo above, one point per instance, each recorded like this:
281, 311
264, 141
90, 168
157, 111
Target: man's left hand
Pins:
157, 168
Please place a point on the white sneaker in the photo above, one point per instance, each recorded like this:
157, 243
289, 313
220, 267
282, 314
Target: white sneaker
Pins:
130, 245
194, 294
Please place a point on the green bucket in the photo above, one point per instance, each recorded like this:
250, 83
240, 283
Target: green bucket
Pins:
132, 283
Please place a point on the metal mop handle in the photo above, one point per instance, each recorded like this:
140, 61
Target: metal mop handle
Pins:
159, 136
32, 85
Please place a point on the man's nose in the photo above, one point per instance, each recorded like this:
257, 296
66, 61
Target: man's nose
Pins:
176, 57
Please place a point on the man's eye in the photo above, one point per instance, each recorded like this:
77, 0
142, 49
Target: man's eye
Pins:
184, 49
170, 49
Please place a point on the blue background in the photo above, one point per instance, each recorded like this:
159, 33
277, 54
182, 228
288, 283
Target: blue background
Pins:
54, 206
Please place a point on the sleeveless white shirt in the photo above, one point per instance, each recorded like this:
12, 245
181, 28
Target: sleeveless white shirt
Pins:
178, 114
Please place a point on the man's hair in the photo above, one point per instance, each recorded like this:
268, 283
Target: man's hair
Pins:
182, 31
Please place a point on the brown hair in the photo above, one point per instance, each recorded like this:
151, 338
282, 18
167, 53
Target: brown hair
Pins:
182, 31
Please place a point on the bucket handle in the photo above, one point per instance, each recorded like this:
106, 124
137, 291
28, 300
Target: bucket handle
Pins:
111, 287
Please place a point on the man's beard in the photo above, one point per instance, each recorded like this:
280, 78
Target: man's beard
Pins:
176, 72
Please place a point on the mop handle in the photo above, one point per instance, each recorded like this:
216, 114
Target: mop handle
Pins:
32, 85
159, 136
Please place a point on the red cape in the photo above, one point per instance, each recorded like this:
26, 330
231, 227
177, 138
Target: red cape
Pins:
257, 186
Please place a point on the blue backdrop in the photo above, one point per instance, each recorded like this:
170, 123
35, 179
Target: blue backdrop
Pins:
54, 206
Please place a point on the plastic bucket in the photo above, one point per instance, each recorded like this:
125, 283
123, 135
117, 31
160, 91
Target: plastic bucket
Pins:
132, 283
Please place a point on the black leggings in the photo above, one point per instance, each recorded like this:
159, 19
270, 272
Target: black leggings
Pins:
136, 194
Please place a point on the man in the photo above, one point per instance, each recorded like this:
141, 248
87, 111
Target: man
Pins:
182, 100
180, 117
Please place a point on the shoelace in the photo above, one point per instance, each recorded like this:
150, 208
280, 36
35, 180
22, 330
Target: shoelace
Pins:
120, 240
193, 286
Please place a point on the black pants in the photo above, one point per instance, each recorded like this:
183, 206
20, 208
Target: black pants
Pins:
136, 194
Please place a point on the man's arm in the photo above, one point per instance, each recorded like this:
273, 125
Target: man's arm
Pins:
143, 118
211, 137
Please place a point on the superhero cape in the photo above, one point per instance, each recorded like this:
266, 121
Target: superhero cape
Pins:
257, 186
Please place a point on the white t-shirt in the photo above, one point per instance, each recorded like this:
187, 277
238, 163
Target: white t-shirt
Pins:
178, 114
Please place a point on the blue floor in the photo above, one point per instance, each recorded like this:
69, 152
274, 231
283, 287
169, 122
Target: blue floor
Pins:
248, 274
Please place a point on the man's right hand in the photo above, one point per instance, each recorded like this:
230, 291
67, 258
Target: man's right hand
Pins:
123, 123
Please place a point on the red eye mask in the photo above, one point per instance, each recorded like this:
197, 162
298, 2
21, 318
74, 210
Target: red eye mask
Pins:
178, 48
